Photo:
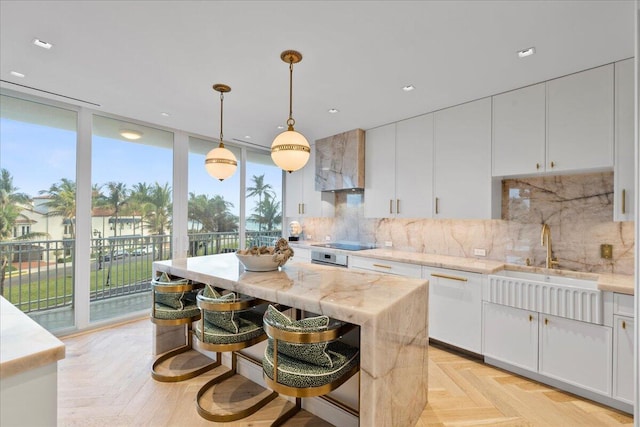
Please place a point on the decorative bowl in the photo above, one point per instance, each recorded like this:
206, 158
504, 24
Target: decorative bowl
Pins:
263, 262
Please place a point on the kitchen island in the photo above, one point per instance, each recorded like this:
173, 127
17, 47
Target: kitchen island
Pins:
391, 312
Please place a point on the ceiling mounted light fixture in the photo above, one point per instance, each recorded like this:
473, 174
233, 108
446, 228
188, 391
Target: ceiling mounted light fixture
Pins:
43, 44
290, 150
131, 134
17, 74
408, 88
526, 52
220, 162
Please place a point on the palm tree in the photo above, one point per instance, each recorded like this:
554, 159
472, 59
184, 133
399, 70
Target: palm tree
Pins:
139, 203
212, 214
271, 213
9, 212
62, 202
158, 220
116, 199
259, 189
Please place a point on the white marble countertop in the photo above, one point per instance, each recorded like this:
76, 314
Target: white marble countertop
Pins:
353, 296
24, 345
606, 282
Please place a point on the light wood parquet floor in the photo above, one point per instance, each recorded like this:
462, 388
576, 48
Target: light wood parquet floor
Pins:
105, 381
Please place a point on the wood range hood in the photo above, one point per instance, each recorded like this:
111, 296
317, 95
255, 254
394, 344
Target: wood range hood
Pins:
340, 162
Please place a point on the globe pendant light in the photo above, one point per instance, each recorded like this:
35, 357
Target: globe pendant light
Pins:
220, 162
290, 150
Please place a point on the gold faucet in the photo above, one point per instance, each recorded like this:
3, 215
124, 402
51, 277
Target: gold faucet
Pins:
545, 240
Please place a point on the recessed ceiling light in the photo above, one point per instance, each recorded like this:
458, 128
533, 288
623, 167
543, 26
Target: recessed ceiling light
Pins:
280, 127
333, 110
526, 52
247, 137
408, 88
165, 114
131, 134
43, 44
17, 74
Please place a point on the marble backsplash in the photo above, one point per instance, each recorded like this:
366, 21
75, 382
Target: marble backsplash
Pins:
578, 208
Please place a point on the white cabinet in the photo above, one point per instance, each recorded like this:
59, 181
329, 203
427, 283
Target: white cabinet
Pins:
575, 352
302, 199
398, 169
519, 126
511, 335
455, 307
580, 120
385, 266
623, 345
301, 254
462, 161
624, 187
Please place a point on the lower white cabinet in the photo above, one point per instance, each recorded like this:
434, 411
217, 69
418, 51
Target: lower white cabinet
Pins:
302, 254
511, 335
575, 352
623, 345
385, 266
455, 307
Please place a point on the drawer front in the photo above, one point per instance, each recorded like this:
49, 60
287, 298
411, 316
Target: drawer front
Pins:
623, 304
384, 266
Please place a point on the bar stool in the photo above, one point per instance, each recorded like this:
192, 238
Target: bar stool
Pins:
229, 323
305, 358
173, 304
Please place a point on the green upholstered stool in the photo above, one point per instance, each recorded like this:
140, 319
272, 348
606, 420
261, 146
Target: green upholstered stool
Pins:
174, 304
228, 323
305, 358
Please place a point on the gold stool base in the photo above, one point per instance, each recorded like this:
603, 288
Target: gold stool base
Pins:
201, 366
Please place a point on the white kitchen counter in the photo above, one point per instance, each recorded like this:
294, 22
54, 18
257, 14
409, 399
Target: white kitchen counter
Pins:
390, 310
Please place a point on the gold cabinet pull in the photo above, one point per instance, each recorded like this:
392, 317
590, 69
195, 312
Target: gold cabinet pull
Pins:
546, 321
382, 266
624, 324
302, 208
537, 166
553, 164
437, 206
531, 318
446, 276
390, 206
624, 201
397, 206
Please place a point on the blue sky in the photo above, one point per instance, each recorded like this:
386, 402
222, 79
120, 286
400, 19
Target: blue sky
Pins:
37, 156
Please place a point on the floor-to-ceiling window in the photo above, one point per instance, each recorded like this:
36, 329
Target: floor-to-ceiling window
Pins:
263, 207
132, 167
37, 209
213, 206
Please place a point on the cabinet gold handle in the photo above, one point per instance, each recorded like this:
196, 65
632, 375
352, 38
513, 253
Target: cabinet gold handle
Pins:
624, 201
302, 208
553, 165
299, 210
437, 206
530, 318
397, 206
390, 206
382, 266
537, 165
546, 321
624, 324
446, 276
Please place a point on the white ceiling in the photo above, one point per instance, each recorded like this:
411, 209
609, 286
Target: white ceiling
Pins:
140, 58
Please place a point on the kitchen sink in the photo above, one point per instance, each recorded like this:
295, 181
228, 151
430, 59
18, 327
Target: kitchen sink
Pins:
549, 278
573, 298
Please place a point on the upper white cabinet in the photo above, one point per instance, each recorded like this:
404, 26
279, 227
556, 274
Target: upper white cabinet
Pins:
398, 169
580, 120
302, 199
462, 161
624, 187
519, 129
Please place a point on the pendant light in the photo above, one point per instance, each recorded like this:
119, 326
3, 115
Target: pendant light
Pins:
220, 162
290, 150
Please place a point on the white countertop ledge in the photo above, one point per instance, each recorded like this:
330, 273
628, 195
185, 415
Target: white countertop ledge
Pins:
24, 344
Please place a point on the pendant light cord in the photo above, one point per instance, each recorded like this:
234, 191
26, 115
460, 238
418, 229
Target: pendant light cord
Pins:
221, 113
291, 121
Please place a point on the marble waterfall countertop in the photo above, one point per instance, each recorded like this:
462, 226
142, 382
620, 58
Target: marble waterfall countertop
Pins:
606, 282
24, 345
390, 310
